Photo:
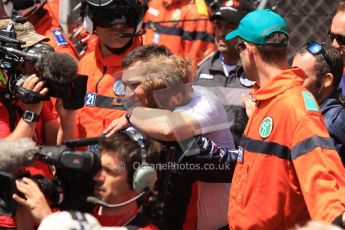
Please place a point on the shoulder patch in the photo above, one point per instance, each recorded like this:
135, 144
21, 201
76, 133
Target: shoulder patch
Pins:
119, 88
266, 127
309, 102
59, 38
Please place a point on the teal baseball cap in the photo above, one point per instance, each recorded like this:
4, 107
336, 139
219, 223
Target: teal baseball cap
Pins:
257, 25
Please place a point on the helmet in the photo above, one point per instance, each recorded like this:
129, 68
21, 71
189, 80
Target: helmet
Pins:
106, 13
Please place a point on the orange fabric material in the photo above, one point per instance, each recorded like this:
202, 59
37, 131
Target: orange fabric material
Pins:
49, 22
191, 215
269, 192
93, 120
161, 10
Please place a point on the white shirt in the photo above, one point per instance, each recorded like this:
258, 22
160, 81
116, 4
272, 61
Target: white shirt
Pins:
213, 198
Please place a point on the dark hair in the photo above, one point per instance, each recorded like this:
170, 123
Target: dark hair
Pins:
271, 53
144, 54
322, 66
128, 151
341, 6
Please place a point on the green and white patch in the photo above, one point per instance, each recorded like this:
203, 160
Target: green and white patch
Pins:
266, 127
309, 102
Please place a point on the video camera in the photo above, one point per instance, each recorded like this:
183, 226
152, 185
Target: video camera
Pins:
73, 179
59, 70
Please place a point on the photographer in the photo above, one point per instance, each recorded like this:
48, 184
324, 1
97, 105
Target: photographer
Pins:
118, 184
35, 120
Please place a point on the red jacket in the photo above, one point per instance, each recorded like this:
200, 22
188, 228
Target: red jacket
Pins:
288, 172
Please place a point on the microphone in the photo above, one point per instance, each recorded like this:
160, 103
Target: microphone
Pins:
96, 201
61, 68
84, 141
15, 154
131, 35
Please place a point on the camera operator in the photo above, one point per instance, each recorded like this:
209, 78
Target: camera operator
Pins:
118, 26
14, 127
35, 121
118, 184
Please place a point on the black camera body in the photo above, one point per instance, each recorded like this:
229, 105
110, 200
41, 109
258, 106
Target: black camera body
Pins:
73, 179
58, 70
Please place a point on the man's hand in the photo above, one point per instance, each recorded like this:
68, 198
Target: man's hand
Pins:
35, 84
34, 199
249, 105
116, 125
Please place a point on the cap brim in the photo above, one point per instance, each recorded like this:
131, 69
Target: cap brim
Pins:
232, 35
32, 39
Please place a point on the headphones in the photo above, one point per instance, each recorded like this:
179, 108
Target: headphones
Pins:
145, 176
80, 217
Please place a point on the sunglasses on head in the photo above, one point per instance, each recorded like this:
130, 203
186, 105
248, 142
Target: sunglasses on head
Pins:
340, 38
315, 49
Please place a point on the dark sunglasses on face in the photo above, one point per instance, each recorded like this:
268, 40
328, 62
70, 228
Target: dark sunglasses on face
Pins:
340, 38
315, 49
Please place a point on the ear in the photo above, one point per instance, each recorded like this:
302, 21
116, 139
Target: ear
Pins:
328, 80
251, 49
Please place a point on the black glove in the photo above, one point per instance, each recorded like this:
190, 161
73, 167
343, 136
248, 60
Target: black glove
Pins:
212, 150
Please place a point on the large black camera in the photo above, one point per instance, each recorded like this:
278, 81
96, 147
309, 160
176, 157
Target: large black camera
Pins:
59, 70
73, 179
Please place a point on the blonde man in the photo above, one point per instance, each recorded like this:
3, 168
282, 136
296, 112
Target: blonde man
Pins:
184, 111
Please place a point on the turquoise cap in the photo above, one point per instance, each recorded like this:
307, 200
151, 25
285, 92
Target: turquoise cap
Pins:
257, 25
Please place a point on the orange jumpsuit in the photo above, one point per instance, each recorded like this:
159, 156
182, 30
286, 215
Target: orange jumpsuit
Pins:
288, 171
104, 77
191, 35
49, 25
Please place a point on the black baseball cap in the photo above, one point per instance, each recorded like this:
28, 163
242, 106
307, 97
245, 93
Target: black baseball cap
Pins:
233, 13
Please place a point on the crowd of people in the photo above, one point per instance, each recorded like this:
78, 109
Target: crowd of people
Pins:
191, 117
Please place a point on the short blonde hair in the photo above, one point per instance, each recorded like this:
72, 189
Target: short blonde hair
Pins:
171, 73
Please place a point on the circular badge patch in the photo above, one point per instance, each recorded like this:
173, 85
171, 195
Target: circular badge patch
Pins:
119, 88
266, 127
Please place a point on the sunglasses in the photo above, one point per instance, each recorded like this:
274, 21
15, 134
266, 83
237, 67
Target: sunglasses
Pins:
239, 46
315, 49
340, 38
